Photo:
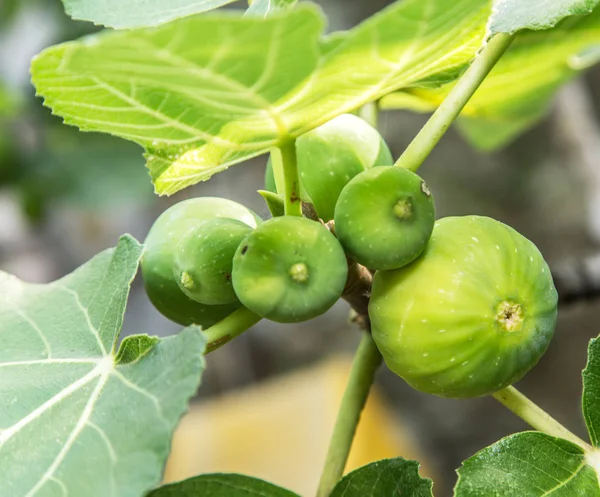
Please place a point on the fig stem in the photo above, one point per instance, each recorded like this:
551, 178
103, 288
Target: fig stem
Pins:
450, 108
292, 203
535, 416
227, 329
366, 362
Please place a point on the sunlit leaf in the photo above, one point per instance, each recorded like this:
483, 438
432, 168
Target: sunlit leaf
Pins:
203, 93
137, 13
510, 16
77, 416
530, 464
519, 90
222, 485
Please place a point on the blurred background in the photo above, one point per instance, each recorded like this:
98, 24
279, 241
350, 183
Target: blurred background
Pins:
269, 399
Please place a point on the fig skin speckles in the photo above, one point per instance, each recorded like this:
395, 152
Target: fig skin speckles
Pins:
472, 315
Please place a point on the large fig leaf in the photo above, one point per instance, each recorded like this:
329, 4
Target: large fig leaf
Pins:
510, 16
78, 417
222, 485
530, 464
203, 93
387, 478
520, 88
137, 13
591, 392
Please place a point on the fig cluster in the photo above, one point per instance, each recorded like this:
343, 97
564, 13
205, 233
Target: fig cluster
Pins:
459, 307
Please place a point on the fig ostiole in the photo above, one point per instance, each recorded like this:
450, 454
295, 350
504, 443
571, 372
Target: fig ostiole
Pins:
384, 217
471, 315
204, 258
289, 269
160, 248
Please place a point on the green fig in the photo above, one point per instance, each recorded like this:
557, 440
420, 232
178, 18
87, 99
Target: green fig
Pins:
384, 217
289, 269
470, 316
204, 259
160, 247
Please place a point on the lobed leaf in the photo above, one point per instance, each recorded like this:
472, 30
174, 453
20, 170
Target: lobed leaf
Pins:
529, 464
137, 13
520, 88
386, 478
510, 16
222, 485
77, 416
204, 93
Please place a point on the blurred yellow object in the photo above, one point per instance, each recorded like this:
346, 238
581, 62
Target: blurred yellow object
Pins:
279, 431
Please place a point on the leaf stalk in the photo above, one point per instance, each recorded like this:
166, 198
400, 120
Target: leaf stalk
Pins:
535, 416
425, 141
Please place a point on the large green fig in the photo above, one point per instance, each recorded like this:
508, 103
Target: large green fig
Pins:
160, 248
384, 217
331, 155
204, 259
289, 269
471, 316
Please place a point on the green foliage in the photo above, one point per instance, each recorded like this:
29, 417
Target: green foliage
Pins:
196, 112
137, 13
520, 88
591, 392
510, 16
222, 485
529, 464
88, 420
387, 478
263, 8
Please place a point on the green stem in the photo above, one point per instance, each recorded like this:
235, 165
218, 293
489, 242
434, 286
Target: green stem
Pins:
227, 329
450, 108
370, 113
366, 362
535, 416
293, 205
277, 164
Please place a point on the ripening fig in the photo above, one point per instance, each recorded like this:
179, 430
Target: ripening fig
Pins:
160, 248
384, 217
204, 258
330, 156
289, 269
470, 316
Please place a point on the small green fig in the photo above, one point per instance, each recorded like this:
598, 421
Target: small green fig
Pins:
161, 246
384, 217
331, 155
204, 258
470, 316
289, 269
